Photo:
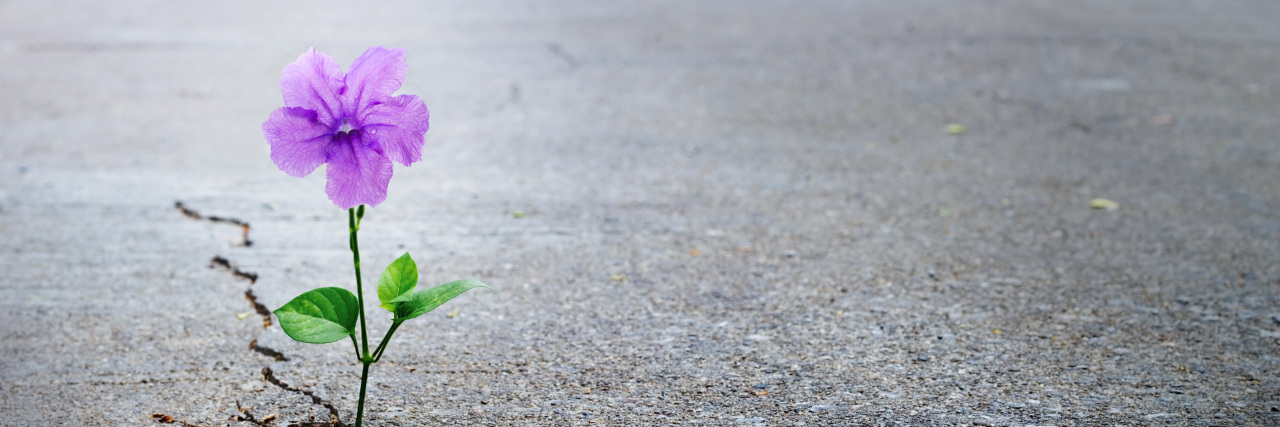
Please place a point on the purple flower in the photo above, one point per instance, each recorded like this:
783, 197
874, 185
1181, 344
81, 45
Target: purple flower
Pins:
350, 122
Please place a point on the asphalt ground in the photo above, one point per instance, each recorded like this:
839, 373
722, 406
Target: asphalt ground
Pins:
696, 213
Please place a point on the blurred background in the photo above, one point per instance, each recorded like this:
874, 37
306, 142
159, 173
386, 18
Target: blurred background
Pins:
698, 212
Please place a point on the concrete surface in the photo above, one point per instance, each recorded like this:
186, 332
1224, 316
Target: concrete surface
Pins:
736, 213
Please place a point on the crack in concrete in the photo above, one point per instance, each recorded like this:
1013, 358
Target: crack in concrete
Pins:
218, 261
265, 351
191, 213
560, 53
334, 420
262, 310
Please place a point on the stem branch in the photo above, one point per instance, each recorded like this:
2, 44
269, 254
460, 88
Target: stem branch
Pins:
377, 354
353, 344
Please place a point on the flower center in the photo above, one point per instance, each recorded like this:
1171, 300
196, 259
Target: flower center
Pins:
346, 126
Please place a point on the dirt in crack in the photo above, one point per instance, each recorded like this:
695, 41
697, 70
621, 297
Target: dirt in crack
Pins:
169, 419
334, 420
191, 213
262, 310
265, 351
246, 415
220, 262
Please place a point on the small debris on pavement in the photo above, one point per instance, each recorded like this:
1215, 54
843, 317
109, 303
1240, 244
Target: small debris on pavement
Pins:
956, 129
1105, 204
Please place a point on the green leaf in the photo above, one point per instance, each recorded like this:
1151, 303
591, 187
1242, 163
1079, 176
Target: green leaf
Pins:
424, 301
320, 316
397, 281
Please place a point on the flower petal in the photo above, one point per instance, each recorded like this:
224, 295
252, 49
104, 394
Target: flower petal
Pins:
397, 126
357, 175
375, 75
314, 82
298, 141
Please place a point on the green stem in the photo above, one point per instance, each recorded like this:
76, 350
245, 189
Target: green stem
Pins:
365, 360
355, 255
377, 354
364, 379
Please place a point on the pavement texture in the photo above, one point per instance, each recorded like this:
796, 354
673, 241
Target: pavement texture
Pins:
733, 212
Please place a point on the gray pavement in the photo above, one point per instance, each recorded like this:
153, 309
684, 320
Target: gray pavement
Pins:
735, 213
